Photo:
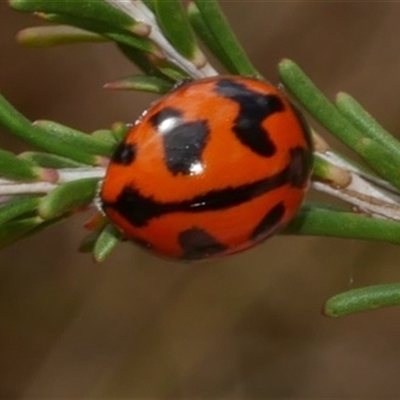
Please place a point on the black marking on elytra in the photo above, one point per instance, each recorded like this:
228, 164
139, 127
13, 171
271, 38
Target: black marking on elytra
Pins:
254, 108
184, 145
124, 154
198, 243
270, 221
183, 141
166, 113
300, 165
139, 209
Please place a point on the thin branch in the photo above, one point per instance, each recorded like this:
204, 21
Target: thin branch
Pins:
9, 187
139, 12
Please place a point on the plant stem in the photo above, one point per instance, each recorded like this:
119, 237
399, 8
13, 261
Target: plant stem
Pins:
10, 187
139, 12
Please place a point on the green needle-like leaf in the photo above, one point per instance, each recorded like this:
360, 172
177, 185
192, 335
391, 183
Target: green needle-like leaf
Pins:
45, 36
324, 111
108, 31
106, 242
218, 24
75, 138
119, 130
363, 299
16, 168
15, 230
152, 66
46, 160
17, 207
366, 123
377, 156
106, 136
176, 27
139, 58
68, 197
381, 159
322, 221
321, 168
327, 172
142, 83
97, 10
208, 38
21, 127
172, 72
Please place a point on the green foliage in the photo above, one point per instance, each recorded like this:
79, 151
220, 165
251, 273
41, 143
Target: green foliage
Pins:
46, 36
39, 138
68, 197
93, 10
214, 25
74, 138
143, 83
172, 19
320, 220
363, 299
18, 207
359, 132
12, 167
106, 241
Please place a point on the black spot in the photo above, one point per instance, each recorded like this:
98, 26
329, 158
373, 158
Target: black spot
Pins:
183, 141
124, 154
254, 108
184, 145
139, 209
299, 166
157, 119
135, 207
270, 221
198, 243
233, 196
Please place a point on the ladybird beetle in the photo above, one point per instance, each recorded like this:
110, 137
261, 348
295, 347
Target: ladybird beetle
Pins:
213, 168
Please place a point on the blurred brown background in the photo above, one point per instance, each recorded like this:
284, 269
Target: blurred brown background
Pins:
248, 326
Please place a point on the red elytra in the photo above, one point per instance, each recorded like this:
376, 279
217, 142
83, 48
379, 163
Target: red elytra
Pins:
213, 168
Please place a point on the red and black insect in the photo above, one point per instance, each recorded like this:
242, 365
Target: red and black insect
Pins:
213, 168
